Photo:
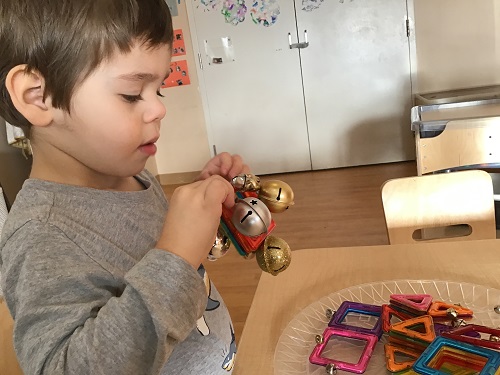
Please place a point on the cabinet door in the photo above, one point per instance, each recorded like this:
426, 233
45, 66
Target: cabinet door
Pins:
357, 82
251, 83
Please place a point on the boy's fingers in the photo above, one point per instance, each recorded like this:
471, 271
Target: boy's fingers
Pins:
239, 167
203, 175
225, 163
219, 190
245, 169
236, 167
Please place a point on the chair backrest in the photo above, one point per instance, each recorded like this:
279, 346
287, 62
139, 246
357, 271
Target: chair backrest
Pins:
440, 207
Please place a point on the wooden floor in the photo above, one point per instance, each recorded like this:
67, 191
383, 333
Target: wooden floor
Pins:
333, 208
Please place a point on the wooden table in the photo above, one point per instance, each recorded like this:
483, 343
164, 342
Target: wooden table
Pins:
315, 273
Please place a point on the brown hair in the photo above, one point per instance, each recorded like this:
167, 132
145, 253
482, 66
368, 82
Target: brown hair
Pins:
66, 40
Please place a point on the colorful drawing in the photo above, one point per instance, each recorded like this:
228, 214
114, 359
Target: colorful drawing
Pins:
265, 12
234, 11
178, 47
179, 74
210, 4
310, 5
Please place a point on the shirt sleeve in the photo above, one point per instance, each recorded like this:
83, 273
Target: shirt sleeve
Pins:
74, 317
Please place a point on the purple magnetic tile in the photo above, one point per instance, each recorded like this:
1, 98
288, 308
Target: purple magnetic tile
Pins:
361, 308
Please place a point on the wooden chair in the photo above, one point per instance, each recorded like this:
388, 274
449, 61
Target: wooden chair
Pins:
440, 207
8, 359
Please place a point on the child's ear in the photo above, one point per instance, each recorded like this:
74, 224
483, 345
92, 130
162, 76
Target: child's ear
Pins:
26, 92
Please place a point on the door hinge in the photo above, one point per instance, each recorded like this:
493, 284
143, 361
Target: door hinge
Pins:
200, 61
215, 150
407, 27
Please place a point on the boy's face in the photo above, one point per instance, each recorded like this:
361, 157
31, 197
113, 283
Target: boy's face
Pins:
115, 115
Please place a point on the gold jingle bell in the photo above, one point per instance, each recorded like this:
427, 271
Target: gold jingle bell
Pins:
276, 195
274, 255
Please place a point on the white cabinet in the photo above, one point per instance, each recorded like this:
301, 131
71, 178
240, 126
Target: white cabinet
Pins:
344, 100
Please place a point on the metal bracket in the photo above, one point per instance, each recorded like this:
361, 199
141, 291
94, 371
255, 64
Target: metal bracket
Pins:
299, 45
200, 61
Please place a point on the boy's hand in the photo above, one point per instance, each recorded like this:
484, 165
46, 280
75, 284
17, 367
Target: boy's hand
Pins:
225, 165
193, 218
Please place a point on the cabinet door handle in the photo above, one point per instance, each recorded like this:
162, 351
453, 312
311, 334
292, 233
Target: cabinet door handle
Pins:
299, 45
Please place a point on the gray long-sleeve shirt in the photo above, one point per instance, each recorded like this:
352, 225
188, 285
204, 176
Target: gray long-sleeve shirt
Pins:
90, 294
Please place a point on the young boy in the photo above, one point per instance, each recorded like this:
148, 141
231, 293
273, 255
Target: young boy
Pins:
98, 277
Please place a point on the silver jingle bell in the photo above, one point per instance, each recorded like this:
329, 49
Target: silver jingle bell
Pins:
251, 217
246, 182
220, 247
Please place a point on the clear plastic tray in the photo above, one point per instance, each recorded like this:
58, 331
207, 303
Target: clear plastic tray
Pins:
298, 338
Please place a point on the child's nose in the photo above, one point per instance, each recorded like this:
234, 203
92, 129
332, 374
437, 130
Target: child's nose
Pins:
155, 112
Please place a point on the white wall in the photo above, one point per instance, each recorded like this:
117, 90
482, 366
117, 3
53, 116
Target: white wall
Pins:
183, 145
458, 43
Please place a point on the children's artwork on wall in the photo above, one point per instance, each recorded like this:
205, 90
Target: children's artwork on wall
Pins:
234, 11
178, 47
172, 5
310, 5
179, 74
210, 4
265, 12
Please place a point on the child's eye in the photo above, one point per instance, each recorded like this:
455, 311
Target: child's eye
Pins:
131, 98
136, 98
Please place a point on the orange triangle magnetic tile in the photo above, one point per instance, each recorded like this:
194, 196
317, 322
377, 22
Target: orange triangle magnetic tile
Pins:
390, 357
406, 328
405, 344
387, 313
439, 309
